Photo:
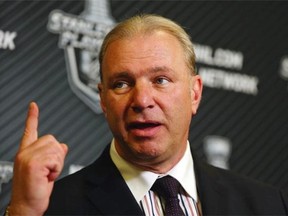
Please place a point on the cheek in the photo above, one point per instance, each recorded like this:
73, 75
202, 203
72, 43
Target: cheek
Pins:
181, 109
115, 108
182, 99
115, 119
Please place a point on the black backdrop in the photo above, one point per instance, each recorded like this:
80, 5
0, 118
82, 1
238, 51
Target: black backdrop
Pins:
242, 50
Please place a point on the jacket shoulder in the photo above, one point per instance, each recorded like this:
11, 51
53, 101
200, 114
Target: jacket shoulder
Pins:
70, 193
226, 192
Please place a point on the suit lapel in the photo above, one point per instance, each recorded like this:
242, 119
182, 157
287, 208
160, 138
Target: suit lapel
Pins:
210, 189
106, 182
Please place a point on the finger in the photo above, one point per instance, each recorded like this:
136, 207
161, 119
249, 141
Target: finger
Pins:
56, 168
65, 148
30, 134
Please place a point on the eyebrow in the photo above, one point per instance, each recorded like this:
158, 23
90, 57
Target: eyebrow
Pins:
126, 74
120, 74
160, 69
123, 74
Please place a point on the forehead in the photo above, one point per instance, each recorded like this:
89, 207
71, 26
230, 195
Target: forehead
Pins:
155, 48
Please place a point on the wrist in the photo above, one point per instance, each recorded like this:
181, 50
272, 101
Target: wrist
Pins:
20, 210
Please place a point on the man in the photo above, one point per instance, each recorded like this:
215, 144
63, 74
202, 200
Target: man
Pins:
149, 93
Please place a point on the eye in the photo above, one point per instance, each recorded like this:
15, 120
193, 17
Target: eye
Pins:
162, 80
120, 85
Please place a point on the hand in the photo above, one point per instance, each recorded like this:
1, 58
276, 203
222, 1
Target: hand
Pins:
38, 163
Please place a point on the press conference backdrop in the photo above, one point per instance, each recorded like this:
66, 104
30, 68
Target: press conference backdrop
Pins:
49, 53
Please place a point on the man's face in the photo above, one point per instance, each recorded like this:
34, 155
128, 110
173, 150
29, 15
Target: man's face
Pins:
149, 96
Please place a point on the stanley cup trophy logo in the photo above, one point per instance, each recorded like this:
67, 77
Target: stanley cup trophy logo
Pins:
283, 70
81, 38
6, 172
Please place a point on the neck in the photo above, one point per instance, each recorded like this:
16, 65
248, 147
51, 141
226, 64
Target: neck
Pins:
159, 164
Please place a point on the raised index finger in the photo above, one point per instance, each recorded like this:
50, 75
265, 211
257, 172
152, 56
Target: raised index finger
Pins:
30, 134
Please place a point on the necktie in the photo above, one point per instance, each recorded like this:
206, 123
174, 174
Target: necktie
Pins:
168, 188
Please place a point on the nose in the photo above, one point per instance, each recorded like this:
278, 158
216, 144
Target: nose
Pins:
142, 97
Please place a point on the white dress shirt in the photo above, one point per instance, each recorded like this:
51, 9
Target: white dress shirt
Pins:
140, 182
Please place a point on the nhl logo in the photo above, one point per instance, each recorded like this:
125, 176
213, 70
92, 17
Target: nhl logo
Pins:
81, 38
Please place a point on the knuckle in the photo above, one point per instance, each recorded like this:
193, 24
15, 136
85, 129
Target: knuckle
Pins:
50, 138
18, 157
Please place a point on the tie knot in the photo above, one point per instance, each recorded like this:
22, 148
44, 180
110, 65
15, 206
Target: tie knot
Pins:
167, 187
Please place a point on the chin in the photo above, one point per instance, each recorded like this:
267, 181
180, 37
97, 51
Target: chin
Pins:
148, 152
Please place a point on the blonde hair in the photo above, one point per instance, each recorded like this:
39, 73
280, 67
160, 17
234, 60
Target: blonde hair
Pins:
147, 24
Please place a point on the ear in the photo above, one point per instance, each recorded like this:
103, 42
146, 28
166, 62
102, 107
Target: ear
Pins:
102, 98
196, 92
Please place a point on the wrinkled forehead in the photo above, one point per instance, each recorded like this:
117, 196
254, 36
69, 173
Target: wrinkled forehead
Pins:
144, 54
157, 43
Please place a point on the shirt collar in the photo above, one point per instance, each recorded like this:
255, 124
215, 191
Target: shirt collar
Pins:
140, 182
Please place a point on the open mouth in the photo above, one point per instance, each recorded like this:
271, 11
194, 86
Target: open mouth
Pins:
142, 125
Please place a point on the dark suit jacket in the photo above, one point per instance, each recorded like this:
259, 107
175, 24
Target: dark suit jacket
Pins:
99, 189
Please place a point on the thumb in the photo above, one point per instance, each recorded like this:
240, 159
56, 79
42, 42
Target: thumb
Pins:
30, 134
